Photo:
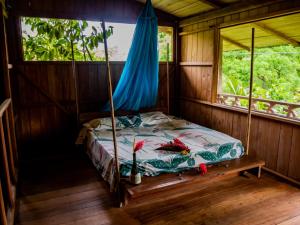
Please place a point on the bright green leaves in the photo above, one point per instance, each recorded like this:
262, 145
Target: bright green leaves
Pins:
276, 74
52, 39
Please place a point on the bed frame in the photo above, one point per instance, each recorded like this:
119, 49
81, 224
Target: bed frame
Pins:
164, 186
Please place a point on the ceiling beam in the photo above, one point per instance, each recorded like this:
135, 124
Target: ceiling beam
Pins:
276, 33
212, 3
233, 42
228, 10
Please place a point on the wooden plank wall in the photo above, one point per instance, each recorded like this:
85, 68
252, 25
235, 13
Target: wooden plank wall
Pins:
276, 142
39, 120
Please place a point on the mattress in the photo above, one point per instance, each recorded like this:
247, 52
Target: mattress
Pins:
206, 145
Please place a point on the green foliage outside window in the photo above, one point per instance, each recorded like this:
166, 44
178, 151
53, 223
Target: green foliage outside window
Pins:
165, 38
53, 39
276, 73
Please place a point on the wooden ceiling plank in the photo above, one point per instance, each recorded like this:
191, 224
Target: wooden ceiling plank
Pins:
276, 33
211, 3
232, 8
233, 42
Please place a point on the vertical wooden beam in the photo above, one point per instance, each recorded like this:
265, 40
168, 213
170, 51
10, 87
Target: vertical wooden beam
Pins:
6, 77
3, 217
216, 65
10, 150
112, 110
250, 91
177, 57
13, 133
4, 55
220, 64
168, 79
5, 165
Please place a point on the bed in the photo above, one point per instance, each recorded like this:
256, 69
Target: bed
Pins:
155, 128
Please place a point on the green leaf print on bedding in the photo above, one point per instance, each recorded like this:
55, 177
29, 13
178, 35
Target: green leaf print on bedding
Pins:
175, 162
224, 149
233, 153
125, 121
178, 159
208, 156
159, 164
191, 162
125, 170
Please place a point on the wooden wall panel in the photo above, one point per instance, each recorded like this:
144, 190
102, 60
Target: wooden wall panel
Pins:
40, 120
278, 143
285, 143
294, 170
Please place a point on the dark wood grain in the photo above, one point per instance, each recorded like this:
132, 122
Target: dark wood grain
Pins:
165, 183
48, 93
294, 171
72, 193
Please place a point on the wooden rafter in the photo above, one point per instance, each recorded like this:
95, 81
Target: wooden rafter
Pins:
211, 3
237, 7
276, 33
235, 43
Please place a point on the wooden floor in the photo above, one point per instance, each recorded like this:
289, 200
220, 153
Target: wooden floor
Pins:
62, 187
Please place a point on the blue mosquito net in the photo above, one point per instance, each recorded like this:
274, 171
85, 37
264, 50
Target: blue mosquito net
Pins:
138, 85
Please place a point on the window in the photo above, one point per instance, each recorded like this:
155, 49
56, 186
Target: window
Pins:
276, 84
52, 40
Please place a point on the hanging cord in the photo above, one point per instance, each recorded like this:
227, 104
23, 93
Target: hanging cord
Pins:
168, 79
250, 92
112, 110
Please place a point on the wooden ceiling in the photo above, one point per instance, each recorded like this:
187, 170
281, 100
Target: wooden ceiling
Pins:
186, 8
271, 32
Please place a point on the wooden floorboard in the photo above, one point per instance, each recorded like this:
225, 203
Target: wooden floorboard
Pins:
65, 189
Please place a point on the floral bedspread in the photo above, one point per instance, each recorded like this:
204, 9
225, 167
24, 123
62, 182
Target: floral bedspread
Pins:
206, 145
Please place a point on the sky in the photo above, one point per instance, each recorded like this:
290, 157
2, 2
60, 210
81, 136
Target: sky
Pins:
119, 42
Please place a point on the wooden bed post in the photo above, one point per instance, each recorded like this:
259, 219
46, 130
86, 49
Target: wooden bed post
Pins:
168, 79
250, 92
112, 114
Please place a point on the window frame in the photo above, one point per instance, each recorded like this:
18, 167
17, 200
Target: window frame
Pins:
218, 90
168, 28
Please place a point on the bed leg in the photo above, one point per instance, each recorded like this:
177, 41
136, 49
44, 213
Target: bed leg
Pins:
259, 172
